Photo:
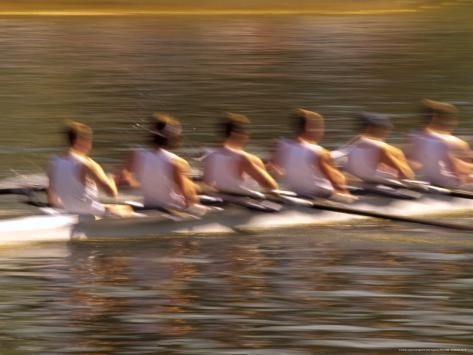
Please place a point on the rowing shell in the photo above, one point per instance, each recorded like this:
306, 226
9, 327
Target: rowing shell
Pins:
230, 220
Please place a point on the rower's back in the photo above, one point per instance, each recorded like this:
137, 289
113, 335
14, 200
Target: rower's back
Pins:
222, 170
69, 185
229, 168
154, 169
300, 161
363, 159
162, 176
77, 195
370, 158
434, 148
431, 152
306, 167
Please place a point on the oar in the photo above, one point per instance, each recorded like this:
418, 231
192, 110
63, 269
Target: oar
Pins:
328, 206
459, 193
256, 202
21, 190
288, 196
425, 187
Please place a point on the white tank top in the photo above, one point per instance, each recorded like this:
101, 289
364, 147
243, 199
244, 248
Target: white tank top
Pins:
431, 150
364, 157
302, 174
282, 148
154, 171
74, 195
222, 171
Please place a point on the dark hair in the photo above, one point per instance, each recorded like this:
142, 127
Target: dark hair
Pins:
374, 119
234, 123
298, 124
441, 109
159, 140
76, 130
162, 126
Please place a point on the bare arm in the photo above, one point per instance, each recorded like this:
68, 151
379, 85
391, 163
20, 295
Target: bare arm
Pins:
254, 167
181, 172
334, 175
273, 166
395, 159
126, 175
95, 172
457, 160
460, 168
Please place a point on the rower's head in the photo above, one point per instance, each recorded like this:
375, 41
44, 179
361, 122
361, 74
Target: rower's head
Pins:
308, 125
439, 115
78, 136
165, 130
236, 128
377, 125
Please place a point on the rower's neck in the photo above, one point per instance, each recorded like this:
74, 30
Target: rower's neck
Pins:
156, 148
305, 139
232, 144
437, 129
74, 151
372, 136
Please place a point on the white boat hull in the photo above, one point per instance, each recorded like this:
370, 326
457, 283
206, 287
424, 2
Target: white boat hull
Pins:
42, 228
233, 220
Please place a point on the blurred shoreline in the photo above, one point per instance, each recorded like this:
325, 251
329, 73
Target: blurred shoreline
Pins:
217, 8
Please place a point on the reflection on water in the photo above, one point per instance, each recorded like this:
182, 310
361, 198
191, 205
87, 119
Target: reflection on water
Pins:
242, 295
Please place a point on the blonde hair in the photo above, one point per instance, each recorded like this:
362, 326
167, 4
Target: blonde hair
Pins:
76, 130
300, 117
162, 119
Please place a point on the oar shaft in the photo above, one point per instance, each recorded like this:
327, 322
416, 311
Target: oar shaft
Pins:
21, 190
391, 217
461, 194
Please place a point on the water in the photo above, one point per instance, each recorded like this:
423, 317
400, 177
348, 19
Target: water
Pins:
112, 72
315, 292
355, 289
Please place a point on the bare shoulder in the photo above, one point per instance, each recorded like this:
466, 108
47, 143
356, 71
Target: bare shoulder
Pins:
251, 157
181, 161
325, 154
463, 144
181, 164
388, 148
91, 165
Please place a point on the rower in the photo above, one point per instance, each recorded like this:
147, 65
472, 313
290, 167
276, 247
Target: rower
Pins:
74, 177
161, 176
230, 168
435, 153
304, 166
370, 158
